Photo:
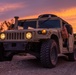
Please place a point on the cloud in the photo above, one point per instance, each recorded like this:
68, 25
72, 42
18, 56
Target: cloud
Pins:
9, 10
65, 9
4, 7
67, 12
68, 15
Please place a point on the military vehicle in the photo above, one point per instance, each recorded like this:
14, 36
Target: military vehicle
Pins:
41, 37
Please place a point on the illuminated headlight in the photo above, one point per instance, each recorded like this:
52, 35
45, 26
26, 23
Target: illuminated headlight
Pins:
28, 35
2, 36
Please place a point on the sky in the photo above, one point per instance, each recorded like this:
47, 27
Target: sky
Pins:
65, 9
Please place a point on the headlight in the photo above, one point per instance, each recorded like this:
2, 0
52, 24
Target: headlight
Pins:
2, 36
28, 35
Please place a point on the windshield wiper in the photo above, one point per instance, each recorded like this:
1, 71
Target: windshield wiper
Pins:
45, 21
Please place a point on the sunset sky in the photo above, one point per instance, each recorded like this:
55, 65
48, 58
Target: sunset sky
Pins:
66, 9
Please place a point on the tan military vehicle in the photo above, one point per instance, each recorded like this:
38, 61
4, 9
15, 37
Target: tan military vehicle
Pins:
46, 37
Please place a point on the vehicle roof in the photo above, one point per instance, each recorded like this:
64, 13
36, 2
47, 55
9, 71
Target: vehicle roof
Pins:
28, 19
39, 17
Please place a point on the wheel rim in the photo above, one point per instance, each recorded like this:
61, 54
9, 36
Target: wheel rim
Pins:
53, 55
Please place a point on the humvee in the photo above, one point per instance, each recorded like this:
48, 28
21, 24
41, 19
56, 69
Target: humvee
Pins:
41, 37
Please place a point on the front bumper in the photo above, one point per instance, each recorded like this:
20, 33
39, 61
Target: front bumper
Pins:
14, 46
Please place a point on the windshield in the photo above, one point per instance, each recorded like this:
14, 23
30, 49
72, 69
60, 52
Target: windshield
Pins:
31, 24
49, 24
27, 24
20, 23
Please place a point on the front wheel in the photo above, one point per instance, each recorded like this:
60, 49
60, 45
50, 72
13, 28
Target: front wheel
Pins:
8, 56
1, 52
5, 56
48, 54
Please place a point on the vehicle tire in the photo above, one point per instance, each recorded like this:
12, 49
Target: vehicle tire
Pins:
48, 54
72, 56
4, 56
1, 52
8, 56
1, 56
38, 57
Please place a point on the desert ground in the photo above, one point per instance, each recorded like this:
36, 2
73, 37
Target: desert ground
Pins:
29, 65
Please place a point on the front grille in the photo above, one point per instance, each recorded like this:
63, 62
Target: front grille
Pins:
15, 36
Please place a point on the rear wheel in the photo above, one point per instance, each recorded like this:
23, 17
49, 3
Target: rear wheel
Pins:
48, 54
72, 56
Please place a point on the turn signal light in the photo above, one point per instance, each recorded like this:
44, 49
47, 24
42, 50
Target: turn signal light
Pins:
44, 31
